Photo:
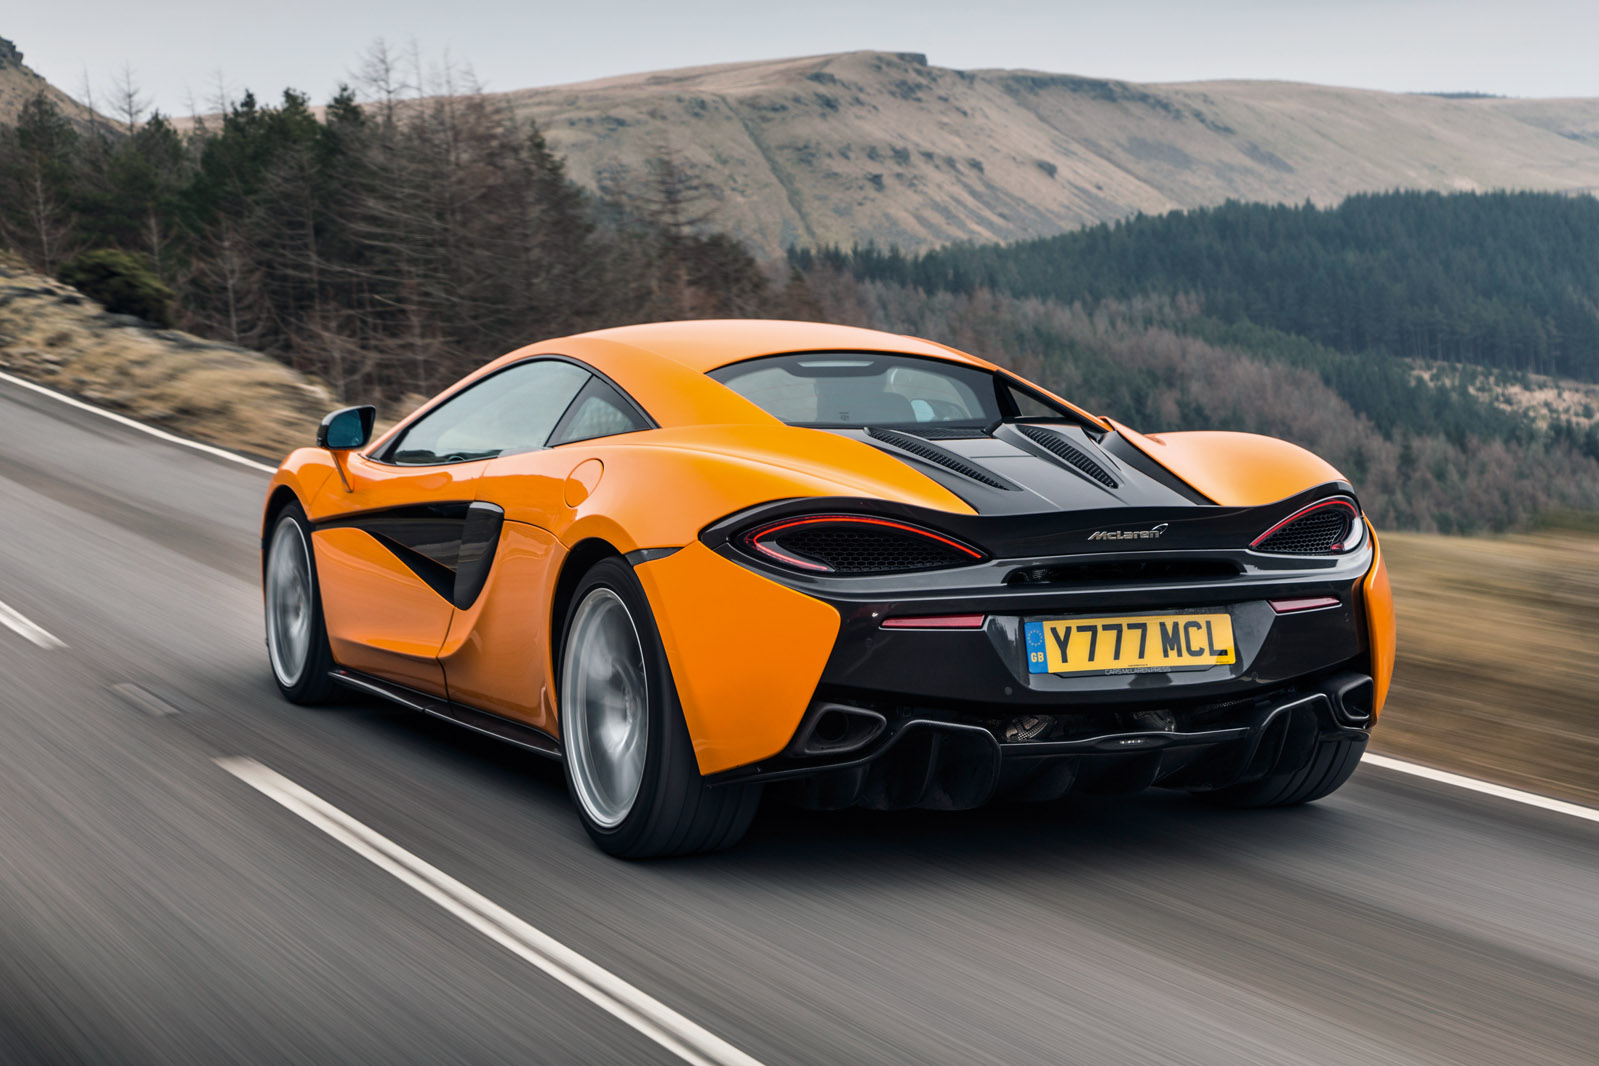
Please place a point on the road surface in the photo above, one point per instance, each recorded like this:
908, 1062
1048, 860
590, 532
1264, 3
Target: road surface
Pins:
157, 908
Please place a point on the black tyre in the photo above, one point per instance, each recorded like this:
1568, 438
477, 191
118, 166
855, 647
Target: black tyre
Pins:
297, 636
1329, 767
629, 764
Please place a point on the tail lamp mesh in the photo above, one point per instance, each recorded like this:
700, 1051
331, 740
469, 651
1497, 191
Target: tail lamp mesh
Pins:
856, 545
1322, 527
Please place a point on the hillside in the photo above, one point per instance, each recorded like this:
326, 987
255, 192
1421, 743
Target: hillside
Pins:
202, 389
19, 84
881, 147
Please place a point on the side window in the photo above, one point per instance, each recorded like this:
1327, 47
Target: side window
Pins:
598, 411
511, 411
1030, 406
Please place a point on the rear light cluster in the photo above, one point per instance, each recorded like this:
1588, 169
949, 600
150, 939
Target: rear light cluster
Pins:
1325, 526
855, 544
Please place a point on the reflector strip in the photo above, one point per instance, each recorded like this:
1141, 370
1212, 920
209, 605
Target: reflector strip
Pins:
1311, 603
938, 621
784, 557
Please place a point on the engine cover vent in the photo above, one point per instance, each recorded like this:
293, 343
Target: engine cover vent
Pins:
1065, 450
938, 456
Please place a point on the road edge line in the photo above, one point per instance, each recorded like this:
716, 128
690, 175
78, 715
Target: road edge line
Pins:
131, 423
671, 1030
1487, 788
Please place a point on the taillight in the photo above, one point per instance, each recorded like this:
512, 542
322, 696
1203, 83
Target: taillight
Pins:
856, 544
1326, 526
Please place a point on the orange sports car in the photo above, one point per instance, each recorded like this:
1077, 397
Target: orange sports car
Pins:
696, 559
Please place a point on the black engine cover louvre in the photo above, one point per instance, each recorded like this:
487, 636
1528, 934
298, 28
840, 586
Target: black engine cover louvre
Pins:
1068, 453
933, 454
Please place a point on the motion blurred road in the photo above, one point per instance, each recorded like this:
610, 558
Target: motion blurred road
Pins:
154, 908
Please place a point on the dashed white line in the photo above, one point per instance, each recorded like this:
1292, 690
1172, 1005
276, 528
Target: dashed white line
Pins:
123, 420
18, 623
654, 1019
1487, 788
144, 700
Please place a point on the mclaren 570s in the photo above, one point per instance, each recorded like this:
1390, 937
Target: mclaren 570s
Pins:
696, 560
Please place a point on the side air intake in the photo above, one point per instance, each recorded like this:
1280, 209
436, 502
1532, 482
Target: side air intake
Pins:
1067, 451
937, 456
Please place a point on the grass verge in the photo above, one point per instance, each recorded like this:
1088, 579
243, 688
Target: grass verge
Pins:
1498, 673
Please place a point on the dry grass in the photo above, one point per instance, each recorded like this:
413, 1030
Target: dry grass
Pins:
1498, 674
213, 392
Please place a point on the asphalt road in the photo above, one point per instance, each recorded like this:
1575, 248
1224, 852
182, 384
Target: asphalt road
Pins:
156, 909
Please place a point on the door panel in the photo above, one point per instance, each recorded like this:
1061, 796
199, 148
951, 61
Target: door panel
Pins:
381, 618
495, 654
387, 554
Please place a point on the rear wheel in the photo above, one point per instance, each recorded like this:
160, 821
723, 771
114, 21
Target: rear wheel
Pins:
297, 636
1329, 767
629, 763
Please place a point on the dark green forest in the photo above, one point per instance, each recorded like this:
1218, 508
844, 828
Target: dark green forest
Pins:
385, 247
1502, 280
392, 240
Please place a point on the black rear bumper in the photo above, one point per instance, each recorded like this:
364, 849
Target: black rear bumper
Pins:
851, 755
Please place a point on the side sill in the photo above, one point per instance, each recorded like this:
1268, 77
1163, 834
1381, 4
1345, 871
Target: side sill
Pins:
500, 728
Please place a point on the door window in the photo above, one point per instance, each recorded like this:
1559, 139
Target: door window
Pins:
511, 411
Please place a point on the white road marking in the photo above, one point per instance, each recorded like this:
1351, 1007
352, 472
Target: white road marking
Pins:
15, 621
599, 986
123, 420
144, 700
1487, 788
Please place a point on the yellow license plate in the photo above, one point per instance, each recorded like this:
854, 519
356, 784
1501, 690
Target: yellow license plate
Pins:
1134, 642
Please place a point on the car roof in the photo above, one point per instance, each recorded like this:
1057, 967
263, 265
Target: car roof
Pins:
707, 344
663, 365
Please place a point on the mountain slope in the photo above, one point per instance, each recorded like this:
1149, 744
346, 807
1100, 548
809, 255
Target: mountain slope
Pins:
19, 84
874, 146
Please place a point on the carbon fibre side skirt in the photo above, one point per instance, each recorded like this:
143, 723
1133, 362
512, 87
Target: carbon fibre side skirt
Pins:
490, 725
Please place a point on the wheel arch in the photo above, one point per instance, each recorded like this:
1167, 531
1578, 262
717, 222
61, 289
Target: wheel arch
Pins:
277, 502
579, 560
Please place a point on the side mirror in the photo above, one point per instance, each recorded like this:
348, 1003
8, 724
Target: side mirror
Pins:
350, 427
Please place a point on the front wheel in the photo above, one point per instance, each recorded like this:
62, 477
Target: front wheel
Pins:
629, 763
297, 636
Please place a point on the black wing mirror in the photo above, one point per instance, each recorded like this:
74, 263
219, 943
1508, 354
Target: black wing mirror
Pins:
350, 427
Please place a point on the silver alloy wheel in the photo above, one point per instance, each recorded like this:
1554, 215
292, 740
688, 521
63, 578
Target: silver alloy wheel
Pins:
288, 602
604, 707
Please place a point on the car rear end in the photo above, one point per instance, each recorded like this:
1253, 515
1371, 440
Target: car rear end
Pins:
1110, 649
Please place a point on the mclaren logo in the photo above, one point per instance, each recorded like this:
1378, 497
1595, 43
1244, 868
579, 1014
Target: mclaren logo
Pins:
1128, 534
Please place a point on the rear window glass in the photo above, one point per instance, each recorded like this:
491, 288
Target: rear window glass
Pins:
864, 389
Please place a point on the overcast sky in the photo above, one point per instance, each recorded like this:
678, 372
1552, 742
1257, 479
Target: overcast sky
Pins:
176, 47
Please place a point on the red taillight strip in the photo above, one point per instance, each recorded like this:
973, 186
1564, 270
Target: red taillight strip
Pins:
811, 520
1310, 603
1302, 512
938, 621
783, 557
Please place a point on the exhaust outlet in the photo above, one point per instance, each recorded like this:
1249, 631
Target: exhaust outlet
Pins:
1351, 696
835, 729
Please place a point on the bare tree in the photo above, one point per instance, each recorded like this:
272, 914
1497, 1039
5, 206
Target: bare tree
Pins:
128, 99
